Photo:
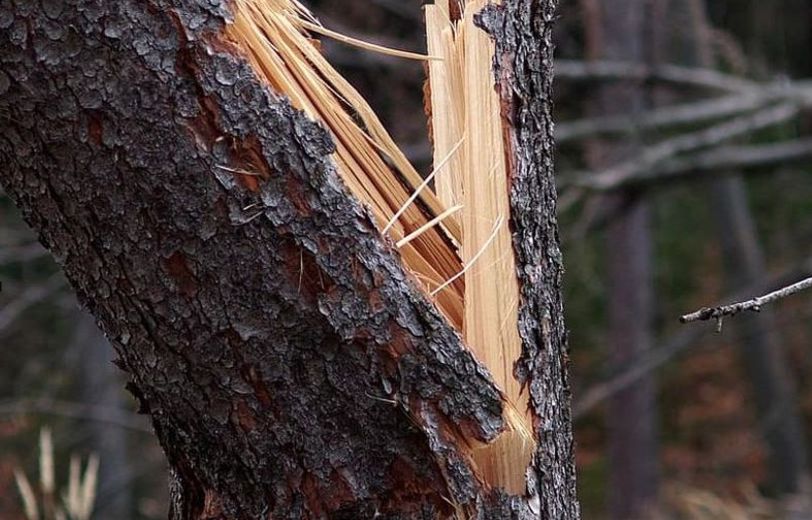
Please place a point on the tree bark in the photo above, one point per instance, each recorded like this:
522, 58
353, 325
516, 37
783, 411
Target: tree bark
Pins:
290, 366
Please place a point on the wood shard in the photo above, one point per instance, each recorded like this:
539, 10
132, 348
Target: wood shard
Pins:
273, 36
465, 105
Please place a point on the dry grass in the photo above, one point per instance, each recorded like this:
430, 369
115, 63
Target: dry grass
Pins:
681, 502
453, 238
43, 503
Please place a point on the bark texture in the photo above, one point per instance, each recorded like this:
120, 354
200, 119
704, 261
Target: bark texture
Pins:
291, 367
524, 69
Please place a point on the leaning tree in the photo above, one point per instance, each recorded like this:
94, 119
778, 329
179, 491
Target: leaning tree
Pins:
293, 357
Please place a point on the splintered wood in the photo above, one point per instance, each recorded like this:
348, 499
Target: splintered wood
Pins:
465, 105
272, 33
453, 237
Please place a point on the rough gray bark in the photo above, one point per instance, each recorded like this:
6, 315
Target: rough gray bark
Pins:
620, 32
291, 368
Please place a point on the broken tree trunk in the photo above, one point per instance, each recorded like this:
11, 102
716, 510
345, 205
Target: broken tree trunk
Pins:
291, 366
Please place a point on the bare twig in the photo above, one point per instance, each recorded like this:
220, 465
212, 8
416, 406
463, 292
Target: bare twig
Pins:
88, 412
671, 348
619, 70
627, 172
753, 305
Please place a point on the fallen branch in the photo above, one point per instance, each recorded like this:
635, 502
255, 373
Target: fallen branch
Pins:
754, 305
730, 158
694, 112
719, 161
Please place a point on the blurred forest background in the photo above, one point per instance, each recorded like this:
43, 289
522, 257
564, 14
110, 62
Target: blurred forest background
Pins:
685, 153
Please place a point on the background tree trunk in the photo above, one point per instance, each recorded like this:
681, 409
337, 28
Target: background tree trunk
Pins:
620, 30
762, 353
100, 384
291, 368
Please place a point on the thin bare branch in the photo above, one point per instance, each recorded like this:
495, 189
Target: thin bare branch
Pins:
752, 305
81, 411
627, 172
620, 70
670, 349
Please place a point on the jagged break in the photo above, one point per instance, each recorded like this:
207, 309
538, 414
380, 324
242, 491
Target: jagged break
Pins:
454, 238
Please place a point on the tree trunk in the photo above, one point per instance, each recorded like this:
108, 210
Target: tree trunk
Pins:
760, 346
100, 384
619, 32
632, 413
291, 367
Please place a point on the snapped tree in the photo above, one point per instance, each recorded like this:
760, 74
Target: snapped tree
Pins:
314, 331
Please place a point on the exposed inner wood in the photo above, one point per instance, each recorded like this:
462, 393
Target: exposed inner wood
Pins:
465, 105
272, 34
454, 238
